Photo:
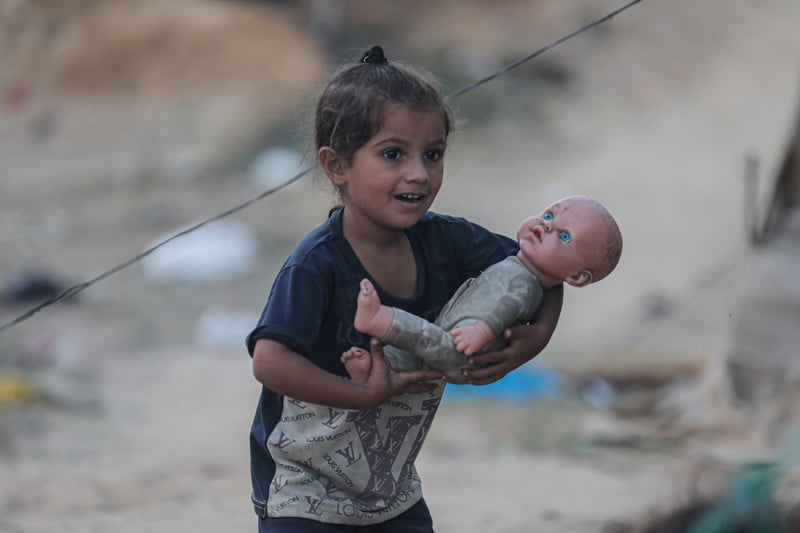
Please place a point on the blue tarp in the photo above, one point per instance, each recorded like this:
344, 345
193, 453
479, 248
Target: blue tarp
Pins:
524, 384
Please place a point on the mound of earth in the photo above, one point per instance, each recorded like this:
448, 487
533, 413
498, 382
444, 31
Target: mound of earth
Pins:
152, 47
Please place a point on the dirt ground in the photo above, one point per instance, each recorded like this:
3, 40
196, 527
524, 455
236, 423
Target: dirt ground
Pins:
118, 412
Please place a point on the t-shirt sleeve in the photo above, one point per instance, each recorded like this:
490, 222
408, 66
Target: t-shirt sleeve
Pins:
479, 248
295, 306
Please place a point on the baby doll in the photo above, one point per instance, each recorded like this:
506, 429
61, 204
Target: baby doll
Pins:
574, 240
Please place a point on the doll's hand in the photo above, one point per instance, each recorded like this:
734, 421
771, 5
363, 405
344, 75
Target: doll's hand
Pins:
470, 339
524, 343
385, 383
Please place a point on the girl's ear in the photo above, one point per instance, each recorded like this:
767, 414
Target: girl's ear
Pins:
332, 165
581, 279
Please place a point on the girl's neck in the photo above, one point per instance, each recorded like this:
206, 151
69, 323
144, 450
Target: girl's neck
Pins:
386, 255
367, 234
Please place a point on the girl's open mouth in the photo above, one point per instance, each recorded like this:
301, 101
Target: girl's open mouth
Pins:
410, 198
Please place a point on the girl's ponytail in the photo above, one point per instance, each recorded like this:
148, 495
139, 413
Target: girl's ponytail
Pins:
374, 55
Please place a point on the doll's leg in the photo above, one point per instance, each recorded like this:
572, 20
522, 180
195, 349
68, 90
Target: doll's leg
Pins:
401, 360
372, 318
428, 341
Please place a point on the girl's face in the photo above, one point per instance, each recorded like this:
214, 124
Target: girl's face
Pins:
393, 179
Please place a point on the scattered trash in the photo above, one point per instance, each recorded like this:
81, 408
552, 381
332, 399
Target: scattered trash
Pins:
598, 393
756, 496
217, 252
31, 285
275, 166
16, 389
47, 369
46, 350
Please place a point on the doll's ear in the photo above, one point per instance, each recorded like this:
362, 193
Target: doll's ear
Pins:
332, 165
581, 279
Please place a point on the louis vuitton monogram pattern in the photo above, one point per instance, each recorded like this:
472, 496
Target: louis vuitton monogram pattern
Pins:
341, 466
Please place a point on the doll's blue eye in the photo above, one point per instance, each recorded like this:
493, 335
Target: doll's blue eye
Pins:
564, 236
547, 216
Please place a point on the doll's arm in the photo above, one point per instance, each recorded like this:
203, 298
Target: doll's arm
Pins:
525, 342
516, 300
286, 372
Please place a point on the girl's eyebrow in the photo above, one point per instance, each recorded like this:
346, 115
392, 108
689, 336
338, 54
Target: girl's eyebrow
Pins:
391, 140
402, 142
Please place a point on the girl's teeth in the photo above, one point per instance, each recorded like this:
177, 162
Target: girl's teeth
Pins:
409, 197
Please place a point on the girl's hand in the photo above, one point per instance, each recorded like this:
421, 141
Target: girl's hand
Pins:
286, 372
384, 383
524, 343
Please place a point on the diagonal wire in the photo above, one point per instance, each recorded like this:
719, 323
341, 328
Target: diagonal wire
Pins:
540, 51
72, 290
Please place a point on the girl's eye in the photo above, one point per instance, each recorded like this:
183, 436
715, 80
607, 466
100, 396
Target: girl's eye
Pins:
547, 216
433, 155
392, 154
564, 236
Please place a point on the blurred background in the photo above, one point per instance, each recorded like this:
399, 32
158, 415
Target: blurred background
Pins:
124, 122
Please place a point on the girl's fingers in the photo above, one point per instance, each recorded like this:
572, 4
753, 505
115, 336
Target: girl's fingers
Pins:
413, 382
421, 380
422, 375
376, 347
378, 358
419, 388
484, 376
489, 358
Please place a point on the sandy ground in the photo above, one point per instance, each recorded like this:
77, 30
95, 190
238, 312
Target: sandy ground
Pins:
145, 428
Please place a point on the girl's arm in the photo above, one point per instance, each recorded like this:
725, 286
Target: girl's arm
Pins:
286, 372
525, 342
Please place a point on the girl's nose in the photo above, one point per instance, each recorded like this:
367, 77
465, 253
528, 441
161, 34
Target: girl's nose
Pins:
547, 225
418, 172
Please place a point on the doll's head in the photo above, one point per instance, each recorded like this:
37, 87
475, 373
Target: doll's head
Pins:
574, 240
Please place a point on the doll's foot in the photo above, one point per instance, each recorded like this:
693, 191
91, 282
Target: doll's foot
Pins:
372, 318
358, 363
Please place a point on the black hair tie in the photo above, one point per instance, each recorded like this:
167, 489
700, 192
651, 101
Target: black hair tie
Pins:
374, 55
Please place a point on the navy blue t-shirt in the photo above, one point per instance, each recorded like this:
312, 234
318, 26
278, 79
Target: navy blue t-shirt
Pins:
312, 304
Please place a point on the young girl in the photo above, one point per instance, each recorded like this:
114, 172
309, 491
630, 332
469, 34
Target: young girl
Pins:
329, 454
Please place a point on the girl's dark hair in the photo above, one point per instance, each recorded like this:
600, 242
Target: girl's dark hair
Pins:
350, 108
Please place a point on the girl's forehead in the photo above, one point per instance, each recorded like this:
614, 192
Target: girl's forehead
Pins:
404, 113
404, 121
